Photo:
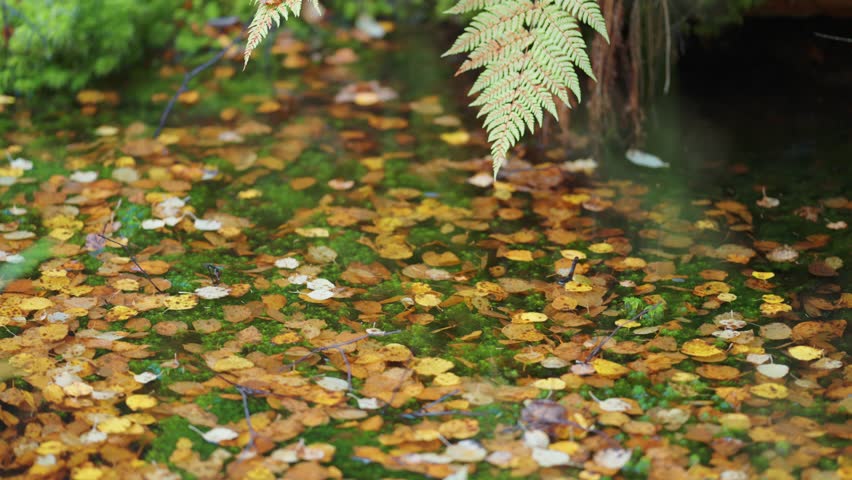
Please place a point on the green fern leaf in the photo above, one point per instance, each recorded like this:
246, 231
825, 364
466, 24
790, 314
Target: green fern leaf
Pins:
269, 12
529, 51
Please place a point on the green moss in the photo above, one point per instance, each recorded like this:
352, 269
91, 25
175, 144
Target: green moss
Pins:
168, 432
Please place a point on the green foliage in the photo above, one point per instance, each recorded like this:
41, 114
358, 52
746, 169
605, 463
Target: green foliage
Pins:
64, 45
529, 50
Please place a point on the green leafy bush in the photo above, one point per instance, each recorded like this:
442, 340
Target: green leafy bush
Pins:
64, 45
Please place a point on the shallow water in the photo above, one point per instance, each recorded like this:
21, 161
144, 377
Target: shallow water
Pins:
649, 237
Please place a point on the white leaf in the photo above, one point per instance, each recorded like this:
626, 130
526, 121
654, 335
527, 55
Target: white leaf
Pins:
172, 221
614, 405
467, 451
320, 284
146, 377
212, 292
644, 159
287, 262
536, 439
21, 164
84, 177
369, 404
773, 370
298, 279
153, 224
16, 258
826, 363
219, 434
207, 225
553, 362
320, 294
333, 384
500, 458
17, 211
481, 179
758, 358
613, 458
546, 457
93, 436
125, 174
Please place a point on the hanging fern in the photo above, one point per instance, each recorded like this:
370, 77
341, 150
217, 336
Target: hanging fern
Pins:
269, 11
529, 50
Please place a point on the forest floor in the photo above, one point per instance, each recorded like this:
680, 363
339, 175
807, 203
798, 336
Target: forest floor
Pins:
308, 275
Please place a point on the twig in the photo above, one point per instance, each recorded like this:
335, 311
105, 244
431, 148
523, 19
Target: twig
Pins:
836, 38
668, 47
598, 348
133, 259
189, 76
244, 391
348, 368
570, 276
337, 346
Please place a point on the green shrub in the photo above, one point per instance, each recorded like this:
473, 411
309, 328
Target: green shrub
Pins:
65, 44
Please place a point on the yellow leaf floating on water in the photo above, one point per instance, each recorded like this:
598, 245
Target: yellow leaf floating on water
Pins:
432, 366
770, 391
316, 232
522, 331
550, 384
601, 248
120, 312
700, 348
605, 368
726, 297
53, 332
805, 353
571, 254
141, 402
87, 473
427, 300
575, 286
772, 298
529, 317
762, 275
459, 137
770, 309
115, 425
35, 303
447, 379
231, 363
181, 302
519, 255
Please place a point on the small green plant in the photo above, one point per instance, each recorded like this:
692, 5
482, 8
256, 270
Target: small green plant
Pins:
529, 51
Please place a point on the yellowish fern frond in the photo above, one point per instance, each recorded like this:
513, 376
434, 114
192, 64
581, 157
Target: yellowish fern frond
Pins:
530, 50
269, 12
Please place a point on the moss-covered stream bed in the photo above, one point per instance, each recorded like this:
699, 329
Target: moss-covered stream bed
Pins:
310, 274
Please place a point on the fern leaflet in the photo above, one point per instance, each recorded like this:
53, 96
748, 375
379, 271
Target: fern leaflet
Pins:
269, 12
530, 50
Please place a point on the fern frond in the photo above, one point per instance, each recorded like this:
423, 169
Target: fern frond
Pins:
269, 12
464, 6
530, 51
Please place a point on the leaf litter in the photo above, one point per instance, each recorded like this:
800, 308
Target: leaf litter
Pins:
233, 301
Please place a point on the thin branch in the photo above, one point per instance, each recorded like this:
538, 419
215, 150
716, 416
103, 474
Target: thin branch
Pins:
337, 346
244, 392
836, 38
189, 76
598, 348
668, 47
133, 259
